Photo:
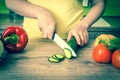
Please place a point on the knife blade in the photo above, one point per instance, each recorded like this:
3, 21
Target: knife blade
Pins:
61, 43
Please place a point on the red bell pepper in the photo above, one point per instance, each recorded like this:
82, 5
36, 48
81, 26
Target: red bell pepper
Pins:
14, 38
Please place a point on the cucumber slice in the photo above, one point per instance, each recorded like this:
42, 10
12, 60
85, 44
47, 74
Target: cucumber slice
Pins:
59, 56
56, 58
51, 59
67, 53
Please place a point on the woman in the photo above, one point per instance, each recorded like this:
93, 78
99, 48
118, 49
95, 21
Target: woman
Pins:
65, 17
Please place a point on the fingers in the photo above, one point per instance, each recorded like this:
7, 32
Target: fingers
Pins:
48, 31
81, 36
51, 32
69, 36
46, 23
74, 33
44, 32
86, 37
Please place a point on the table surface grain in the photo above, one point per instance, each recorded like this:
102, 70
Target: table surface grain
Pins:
33, 64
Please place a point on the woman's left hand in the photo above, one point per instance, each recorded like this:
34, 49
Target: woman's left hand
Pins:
80, 33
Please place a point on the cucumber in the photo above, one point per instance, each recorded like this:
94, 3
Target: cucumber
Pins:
56, 58
1, 50
59, 56
51, 59
73, 44
68, 53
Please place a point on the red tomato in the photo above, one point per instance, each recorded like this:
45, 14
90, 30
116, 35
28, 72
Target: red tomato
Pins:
116, 59
102, 54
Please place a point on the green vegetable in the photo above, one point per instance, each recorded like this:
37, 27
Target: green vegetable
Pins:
73, 44
1, 50
67, 53
111, 41
56, 58
52, 59
59, 56
112, 44
103, 37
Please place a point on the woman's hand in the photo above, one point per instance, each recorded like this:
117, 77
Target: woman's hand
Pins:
46, 24
80, 33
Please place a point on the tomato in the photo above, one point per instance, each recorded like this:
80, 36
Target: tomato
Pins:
116, 59
101, 54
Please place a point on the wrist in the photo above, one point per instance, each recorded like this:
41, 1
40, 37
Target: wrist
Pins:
84, 24
41, 12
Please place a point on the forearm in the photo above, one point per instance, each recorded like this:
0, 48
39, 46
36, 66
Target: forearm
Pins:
24, 8
95, 13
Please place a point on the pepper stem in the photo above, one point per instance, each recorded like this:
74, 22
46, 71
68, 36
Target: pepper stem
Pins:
13, 39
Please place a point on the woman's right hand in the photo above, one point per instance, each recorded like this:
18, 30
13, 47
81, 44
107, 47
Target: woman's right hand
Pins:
46, 24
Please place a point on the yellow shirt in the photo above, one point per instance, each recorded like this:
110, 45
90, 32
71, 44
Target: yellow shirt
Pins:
66, 13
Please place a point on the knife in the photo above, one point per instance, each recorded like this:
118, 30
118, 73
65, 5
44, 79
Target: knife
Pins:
61, 43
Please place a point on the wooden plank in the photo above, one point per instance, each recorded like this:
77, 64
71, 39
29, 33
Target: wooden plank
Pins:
32, 64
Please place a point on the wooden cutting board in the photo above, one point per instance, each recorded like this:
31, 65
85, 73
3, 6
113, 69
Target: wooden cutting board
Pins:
33, 64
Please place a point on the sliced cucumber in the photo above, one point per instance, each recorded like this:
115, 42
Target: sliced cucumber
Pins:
51, 59
59, 56
73, 44
56, 58
67, 53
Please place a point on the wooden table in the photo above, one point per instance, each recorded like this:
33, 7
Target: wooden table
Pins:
32, 64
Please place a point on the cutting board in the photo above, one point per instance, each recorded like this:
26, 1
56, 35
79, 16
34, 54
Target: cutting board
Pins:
33, 64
